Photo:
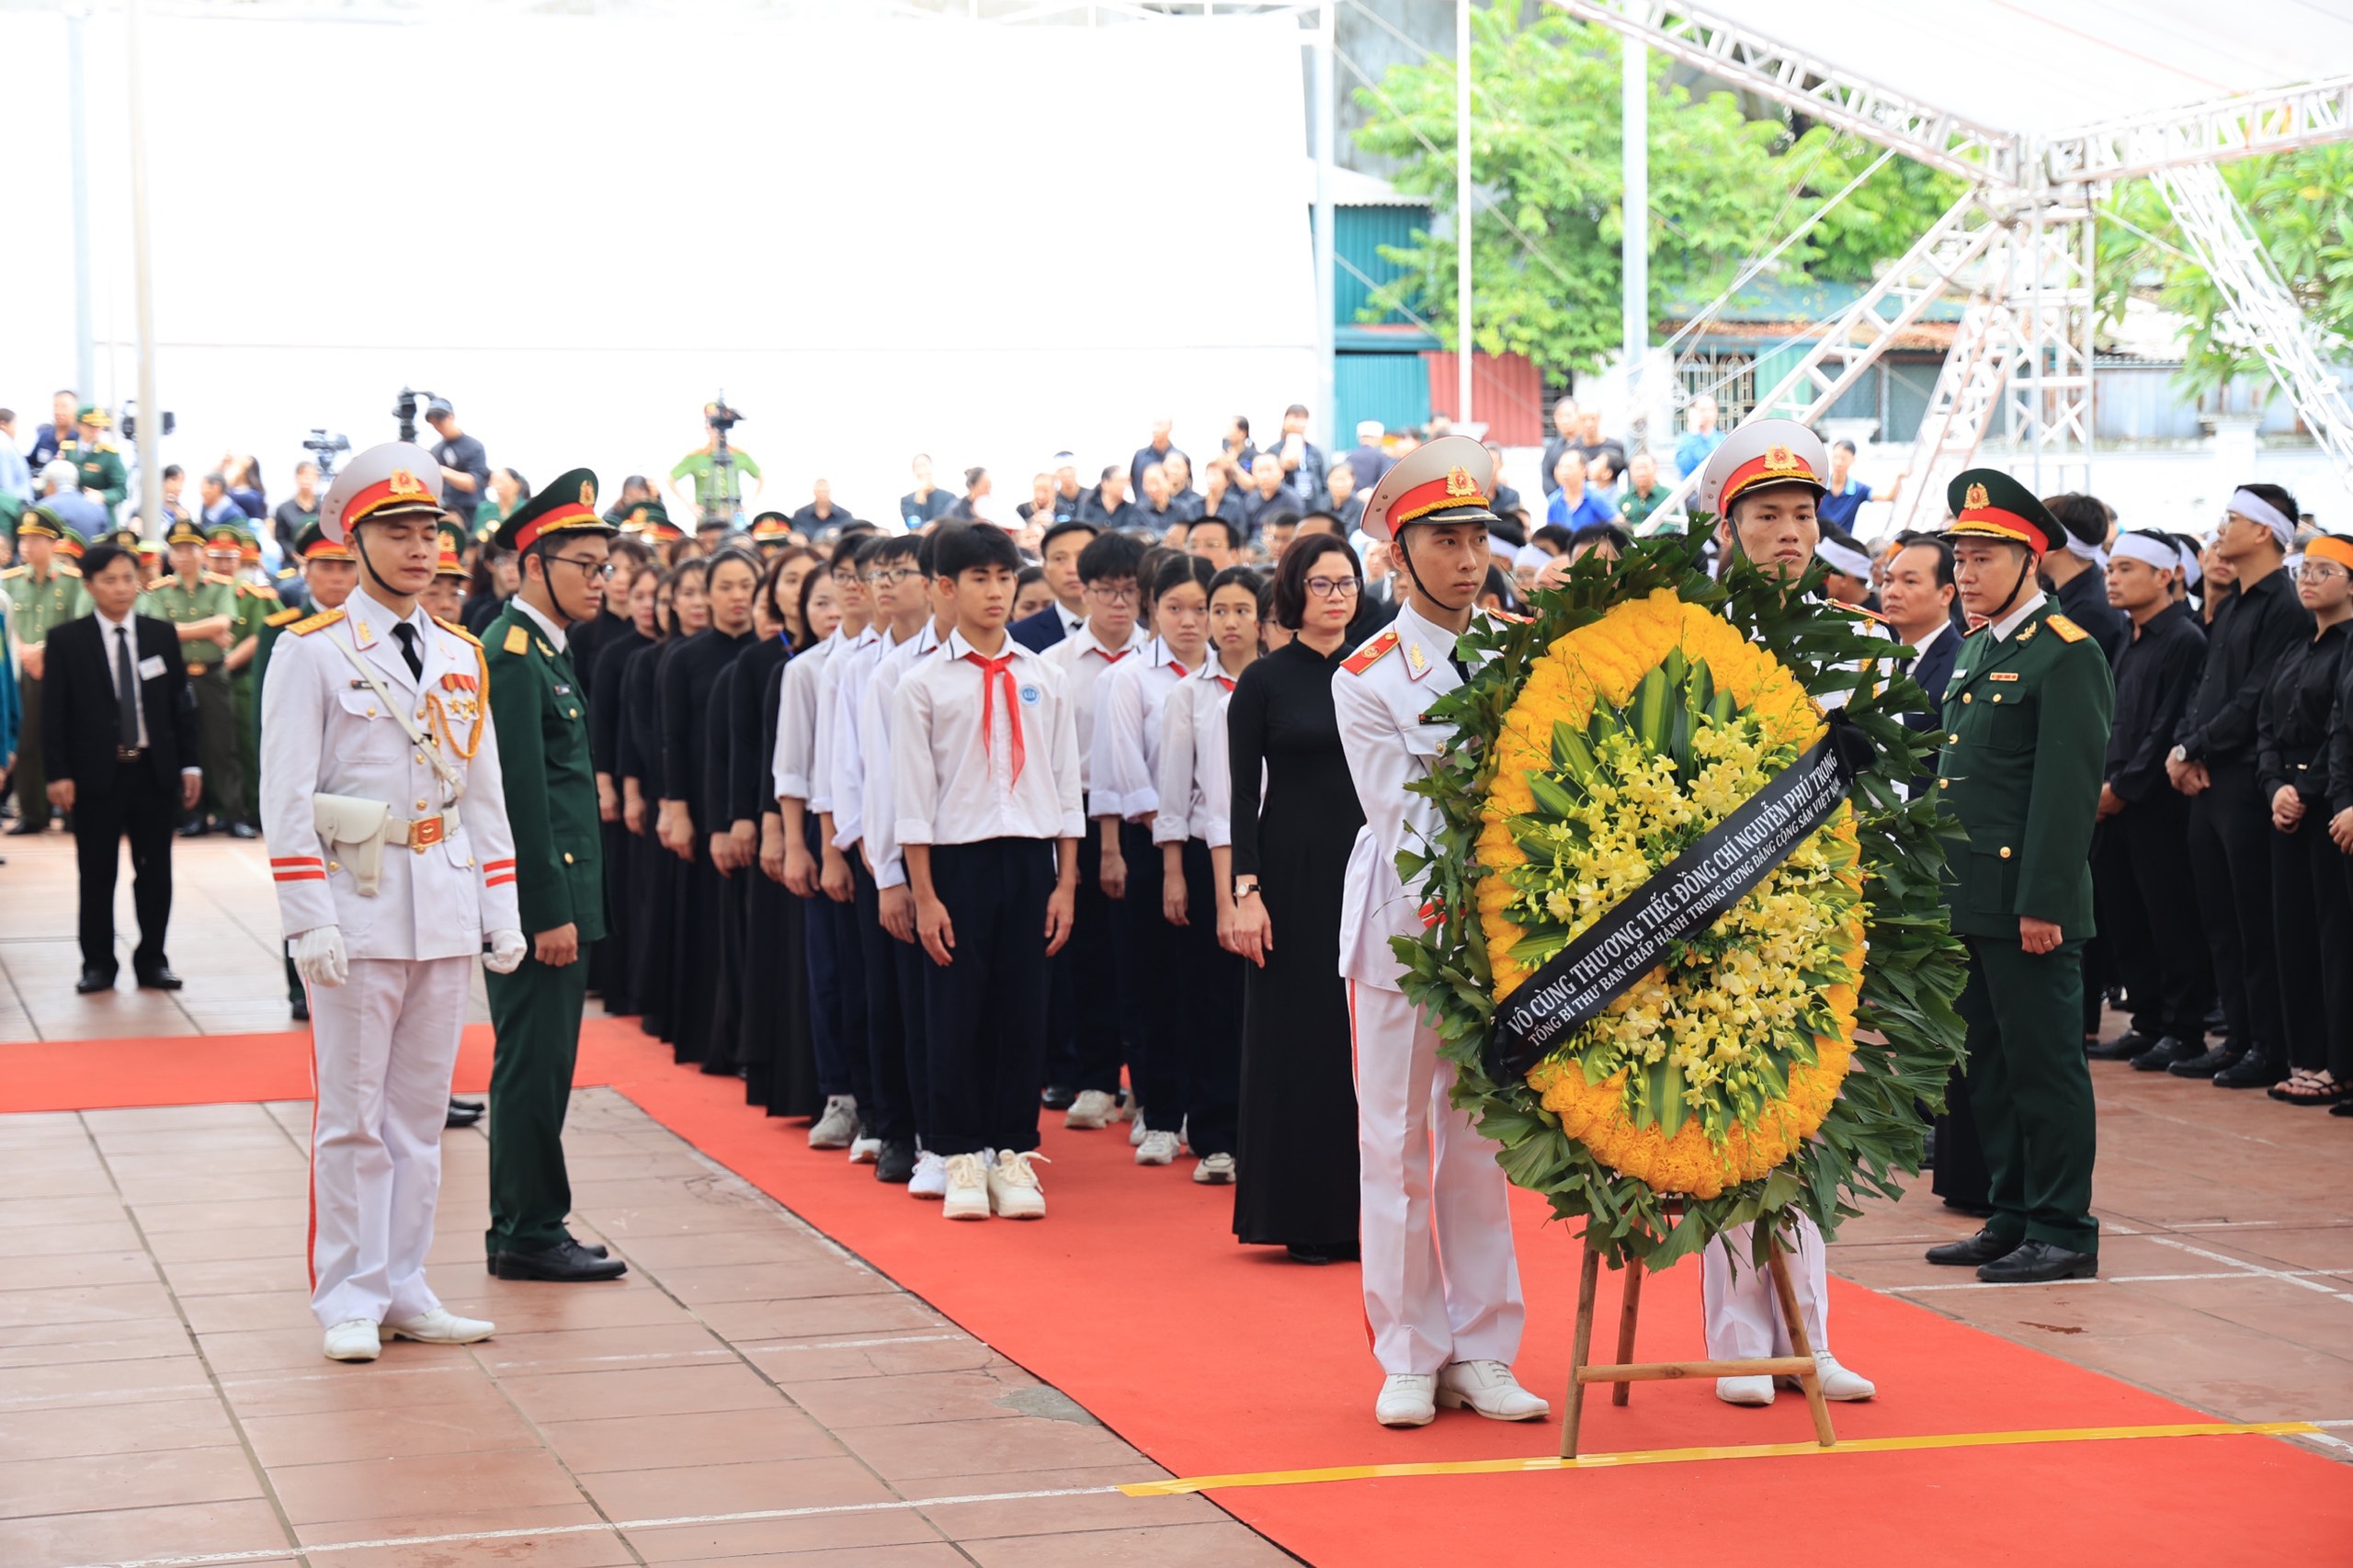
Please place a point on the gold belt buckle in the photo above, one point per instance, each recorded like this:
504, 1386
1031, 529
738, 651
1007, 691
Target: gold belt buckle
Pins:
424, 833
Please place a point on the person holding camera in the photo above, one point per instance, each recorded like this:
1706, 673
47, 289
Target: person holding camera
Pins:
465, 467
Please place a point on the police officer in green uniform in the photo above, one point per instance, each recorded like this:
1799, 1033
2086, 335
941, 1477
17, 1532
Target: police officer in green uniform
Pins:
203, 605
2026, 720
44, 591
226, 547
98, 464
541, 708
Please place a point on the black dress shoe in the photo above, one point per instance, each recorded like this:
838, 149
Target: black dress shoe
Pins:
896, 1163
194, 827
93, 980
1058, 1097
461, 1114
567, 1262
2038, 1263
1983, 1247
27, 830
2123, 1048
244, 829
592, 1248
159, 980
2255, 1070
2164, 1054
1974, 1210
2206, 1063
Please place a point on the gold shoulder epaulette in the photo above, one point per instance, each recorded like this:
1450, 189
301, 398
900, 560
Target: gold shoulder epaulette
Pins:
15, 572
66, 569
223, 581
453, 626
518, 640
325, 618
290, 614
1364, 658
2067, 630
258, 590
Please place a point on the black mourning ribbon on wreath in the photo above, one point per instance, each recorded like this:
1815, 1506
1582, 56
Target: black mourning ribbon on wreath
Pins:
1682, 899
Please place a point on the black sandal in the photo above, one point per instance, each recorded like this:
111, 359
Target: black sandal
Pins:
2317, 1090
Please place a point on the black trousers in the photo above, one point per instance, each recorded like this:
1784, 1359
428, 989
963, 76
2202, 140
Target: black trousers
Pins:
1206, 1061
857, 1059
2167, 965
1084, 1012
889, 1109
133, 805
2313, 921
985, 1010
2230, 853
1149, 1010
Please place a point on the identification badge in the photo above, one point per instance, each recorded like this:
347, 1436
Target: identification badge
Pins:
151, 667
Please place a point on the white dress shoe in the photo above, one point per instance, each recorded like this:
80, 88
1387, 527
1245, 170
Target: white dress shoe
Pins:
834, 1129
1837, 1382
1090, 1112
966, 1195
1488, 1388
1014, 1191
1158, 1148
355, 1340
440, 1326
930, 1180
1407, 1399
1744, 1390
1215, 1170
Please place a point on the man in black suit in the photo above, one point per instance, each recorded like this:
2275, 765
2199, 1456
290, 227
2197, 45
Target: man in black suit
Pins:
120, 734
1916, 600
1059, 553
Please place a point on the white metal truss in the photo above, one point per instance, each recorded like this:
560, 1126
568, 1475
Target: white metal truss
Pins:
2262, 315
1813, 87
2279, 121
2048, 277
1969, 389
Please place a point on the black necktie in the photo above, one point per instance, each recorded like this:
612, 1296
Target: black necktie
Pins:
407, 634
125, 693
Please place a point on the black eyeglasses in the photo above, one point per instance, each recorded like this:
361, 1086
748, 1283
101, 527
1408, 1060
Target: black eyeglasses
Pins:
602, 569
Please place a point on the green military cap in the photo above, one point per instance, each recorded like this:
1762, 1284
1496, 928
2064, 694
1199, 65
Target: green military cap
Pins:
185, 531
568, 506
650, 519
312, 544
40, 522
225, 533
91, 413
125, 539
450, 561
1988, 503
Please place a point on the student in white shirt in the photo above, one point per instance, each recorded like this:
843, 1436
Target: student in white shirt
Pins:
1192, 828
985, 778
1086, 1026
837, 1004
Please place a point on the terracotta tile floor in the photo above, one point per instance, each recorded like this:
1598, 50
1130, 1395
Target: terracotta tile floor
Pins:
161, 1392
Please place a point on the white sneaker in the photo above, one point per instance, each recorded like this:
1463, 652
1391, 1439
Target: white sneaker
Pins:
1489, 1387
1837, 1382
440, 1326
353, 1340
1090, 1112
1136, 1133
1185, 1133
1014, 1191
965, 1190
1744, 1390
1215, 1170
930, 1180
865, 1149
837, 1126
1407, 1399
1157, 1149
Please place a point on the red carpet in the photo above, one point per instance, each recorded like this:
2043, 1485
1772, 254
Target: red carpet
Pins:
1218, 1359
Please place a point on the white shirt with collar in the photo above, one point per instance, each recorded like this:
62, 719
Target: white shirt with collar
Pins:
952, 779
1084, 660
821, 761
548, 628
2017, 617
1920, 648
796, 720
1072, 619
118, 647
878, 811
1196, 781
851, 675
1130, 714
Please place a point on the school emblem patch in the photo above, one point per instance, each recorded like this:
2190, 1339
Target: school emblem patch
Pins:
1031, 694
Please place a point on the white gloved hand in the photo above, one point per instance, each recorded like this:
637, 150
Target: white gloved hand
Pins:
318, 957
506, 950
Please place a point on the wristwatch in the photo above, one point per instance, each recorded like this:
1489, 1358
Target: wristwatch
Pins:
1244, 887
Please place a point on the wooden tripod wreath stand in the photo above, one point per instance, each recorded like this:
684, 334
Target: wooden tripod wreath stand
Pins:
1627, 1372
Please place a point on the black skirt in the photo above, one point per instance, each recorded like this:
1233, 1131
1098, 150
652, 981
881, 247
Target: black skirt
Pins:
654, 875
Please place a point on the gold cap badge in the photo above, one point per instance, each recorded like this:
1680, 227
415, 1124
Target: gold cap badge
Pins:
1458, 481
587, 494
1976, 498
404, 483
1780, 459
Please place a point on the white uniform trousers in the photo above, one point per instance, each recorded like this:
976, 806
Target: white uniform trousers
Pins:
1743, 1315
383, 1045
1441, 1281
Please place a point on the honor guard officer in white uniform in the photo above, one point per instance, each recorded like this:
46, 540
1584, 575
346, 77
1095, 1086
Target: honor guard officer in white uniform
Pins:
1764, 482
388, 839
1442, 1282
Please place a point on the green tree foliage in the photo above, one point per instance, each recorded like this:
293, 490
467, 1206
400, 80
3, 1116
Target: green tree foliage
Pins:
1545, 148
2301, 204
1881, 218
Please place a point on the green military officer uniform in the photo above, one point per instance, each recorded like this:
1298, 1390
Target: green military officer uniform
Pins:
2026, 720
542, 713
36, 605
183, 601
98, 467
253, 604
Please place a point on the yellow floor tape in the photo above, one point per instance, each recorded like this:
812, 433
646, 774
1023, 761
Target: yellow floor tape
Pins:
1749, 1452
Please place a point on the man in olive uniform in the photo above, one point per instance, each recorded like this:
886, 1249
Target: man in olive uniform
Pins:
44, 591
99, 466
251, 607
2025, 737
204, 607
542, 713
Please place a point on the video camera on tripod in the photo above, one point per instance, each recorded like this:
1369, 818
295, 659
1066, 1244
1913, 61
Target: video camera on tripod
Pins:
324, 450
404, 410
721, 495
